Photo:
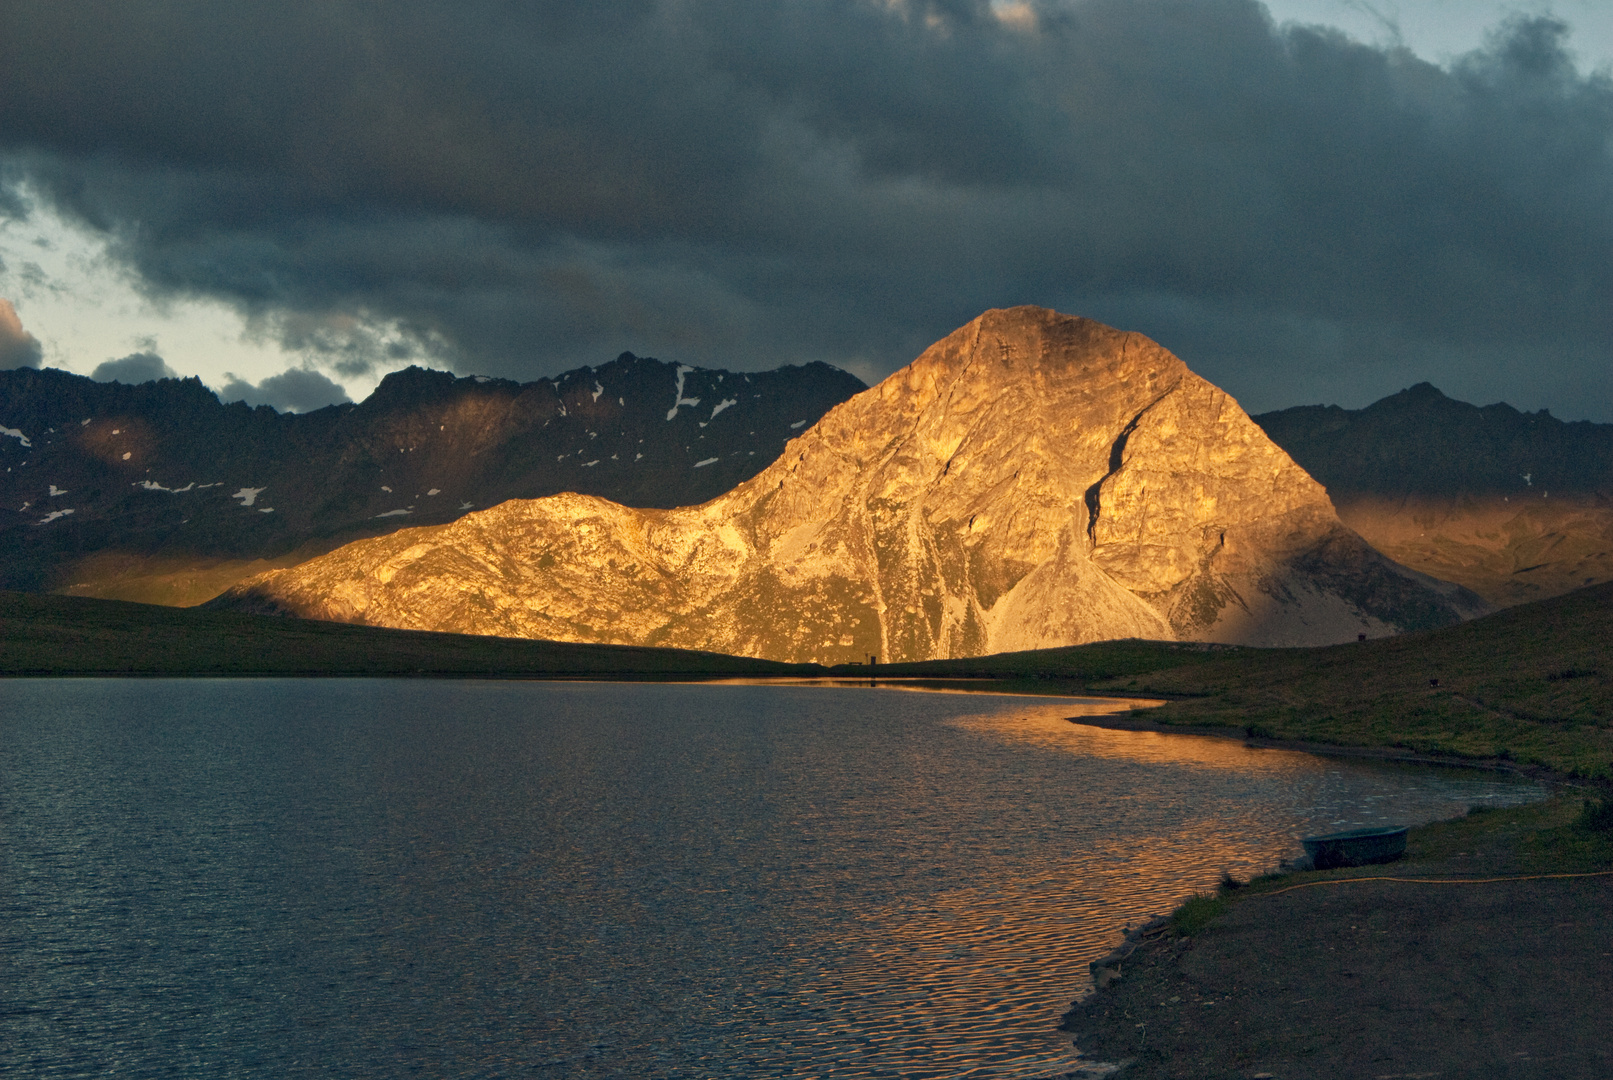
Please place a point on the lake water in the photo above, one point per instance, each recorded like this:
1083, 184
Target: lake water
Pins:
378, 878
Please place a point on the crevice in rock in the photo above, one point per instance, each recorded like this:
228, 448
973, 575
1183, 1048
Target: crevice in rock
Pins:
1116, 458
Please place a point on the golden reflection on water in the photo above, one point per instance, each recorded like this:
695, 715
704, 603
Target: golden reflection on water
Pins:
1048, 727
599, 879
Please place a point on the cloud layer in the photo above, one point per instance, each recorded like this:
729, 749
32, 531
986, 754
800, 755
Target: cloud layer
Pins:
517, 190
136, 368
293, 390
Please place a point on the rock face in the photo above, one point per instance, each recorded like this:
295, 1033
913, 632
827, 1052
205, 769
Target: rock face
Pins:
157, 492
1032, 480
1515, 506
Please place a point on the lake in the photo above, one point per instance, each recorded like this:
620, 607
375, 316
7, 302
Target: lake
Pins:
401, 878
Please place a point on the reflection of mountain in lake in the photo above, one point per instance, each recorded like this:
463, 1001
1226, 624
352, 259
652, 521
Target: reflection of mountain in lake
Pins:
1032, 480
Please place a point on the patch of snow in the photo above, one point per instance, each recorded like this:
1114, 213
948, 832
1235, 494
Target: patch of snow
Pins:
677, 395
703, 423
265, 509
55, 491
218, 483
482, 378
703, 464
15, 434
464, 506
395, 513
435, 491
52, 516
248, 496
621, 402
590, 464
126, 454
82, 423
1526, 481
562, 410
117, 431
797, 424
721, 405
597, 391
637, 456
385, 488
561, 457
152, 485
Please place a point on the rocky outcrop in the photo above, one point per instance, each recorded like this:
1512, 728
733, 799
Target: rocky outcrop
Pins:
158, 492
1032, 480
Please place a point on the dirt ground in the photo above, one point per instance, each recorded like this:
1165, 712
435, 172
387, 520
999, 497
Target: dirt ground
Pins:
1381, 979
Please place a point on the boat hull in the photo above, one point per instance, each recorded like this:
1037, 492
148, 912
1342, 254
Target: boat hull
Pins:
1357, 847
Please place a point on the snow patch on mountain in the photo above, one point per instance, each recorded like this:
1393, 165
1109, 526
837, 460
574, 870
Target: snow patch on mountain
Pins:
678, 399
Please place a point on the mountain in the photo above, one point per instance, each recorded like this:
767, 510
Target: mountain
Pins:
1515, 506
1032, 480
158, 492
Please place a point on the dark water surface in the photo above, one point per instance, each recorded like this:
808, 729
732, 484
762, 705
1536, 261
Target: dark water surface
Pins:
370, 878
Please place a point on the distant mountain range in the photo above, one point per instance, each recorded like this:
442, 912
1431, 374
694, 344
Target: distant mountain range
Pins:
158, 492
1516, 506
1421, 443
1032, 480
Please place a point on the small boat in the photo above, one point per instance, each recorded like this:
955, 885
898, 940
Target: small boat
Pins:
1356, 847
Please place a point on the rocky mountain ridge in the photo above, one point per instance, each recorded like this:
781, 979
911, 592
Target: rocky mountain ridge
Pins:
1515, 506
1421, 443
158, 492
1032, 480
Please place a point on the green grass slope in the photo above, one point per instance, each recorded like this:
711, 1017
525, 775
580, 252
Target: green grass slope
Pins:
1532, 683
1078, 666
69, 635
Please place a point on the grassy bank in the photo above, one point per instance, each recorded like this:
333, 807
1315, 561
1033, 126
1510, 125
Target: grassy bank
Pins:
1533, 684
69, 635
1074, 668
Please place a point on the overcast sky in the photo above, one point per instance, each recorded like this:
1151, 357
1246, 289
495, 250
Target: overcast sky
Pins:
1315, 201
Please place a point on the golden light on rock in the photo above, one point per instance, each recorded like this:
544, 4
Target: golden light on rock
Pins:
1032, 480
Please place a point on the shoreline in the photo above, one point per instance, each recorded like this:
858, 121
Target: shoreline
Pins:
1398, 755
1434, 962
1253, 942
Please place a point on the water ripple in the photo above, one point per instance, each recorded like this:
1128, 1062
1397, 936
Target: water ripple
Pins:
399, 879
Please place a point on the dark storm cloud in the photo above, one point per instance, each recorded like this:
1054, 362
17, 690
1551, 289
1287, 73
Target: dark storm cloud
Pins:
293, 390
136, 368
514, 190
18, 348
